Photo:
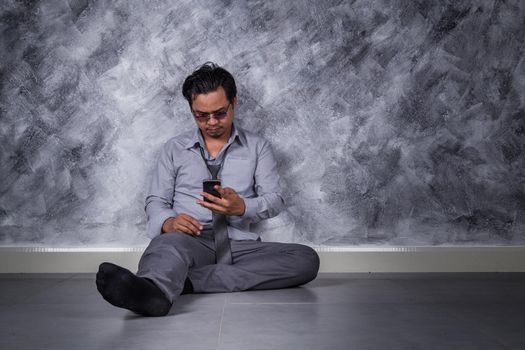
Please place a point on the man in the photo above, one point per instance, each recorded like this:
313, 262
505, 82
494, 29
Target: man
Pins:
201, 242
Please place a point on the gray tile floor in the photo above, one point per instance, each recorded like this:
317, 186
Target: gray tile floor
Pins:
336, 311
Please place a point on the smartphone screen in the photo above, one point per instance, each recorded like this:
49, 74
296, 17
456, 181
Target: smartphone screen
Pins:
207, 186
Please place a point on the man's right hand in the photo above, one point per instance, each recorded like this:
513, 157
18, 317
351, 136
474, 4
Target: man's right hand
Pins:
182, 223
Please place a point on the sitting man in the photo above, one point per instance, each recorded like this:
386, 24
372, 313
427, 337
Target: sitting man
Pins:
202, 242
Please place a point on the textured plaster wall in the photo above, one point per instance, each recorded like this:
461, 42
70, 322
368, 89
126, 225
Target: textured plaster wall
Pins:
394, 122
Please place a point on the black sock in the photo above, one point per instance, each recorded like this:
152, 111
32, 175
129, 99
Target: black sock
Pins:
122, 288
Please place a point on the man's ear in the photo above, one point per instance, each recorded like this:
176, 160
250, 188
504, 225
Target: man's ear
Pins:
234, 102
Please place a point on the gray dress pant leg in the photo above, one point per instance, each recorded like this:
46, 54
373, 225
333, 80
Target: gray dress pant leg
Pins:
172, 257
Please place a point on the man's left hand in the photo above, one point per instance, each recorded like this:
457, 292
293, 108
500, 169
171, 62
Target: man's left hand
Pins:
230, 202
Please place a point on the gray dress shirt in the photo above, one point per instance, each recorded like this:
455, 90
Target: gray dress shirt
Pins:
249, 168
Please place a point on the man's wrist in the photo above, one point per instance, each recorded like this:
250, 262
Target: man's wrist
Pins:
166, 225
243, 208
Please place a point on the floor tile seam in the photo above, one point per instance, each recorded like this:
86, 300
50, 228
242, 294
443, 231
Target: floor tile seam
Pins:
23, 301
84, 276
272, 303
347, 303
462, 316
389, 303
317, 303
29, 303
480, 303
42, 276
221, 322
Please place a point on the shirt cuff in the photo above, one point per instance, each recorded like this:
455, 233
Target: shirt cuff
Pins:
155, 222
251, 206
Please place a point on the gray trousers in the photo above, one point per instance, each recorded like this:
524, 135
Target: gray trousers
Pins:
172, 257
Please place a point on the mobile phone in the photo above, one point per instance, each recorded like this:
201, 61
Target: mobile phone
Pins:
207, 186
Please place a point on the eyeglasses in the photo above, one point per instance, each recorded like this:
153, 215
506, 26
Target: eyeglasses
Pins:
204, 117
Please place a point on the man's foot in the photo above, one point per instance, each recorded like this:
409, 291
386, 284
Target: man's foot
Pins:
121, 288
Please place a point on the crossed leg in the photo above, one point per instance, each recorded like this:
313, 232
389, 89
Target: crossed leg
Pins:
258, 265
173, 258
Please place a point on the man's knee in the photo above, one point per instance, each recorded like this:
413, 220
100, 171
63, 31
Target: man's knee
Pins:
172, 238
177, 242
308, 262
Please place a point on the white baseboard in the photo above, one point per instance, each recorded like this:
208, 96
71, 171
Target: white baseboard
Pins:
333, 259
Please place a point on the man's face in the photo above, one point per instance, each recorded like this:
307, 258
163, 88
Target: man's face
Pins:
215, 103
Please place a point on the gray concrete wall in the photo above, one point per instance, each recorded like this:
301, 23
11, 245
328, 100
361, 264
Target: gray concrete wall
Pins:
394, 122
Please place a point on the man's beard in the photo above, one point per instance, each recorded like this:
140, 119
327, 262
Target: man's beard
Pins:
215, 132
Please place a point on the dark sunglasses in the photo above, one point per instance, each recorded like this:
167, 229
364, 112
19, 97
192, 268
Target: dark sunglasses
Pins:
204, 117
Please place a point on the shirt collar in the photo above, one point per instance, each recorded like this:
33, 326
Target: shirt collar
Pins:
197, 139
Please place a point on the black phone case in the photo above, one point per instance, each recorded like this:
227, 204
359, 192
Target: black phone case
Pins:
207, 186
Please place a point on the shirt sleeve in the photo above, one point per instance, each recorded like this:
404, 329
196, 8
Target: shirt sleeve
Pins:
159, 201
269, 200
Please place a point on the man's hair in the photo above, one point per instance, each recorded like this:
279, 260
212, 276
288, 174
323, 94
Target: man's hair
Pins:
208, 78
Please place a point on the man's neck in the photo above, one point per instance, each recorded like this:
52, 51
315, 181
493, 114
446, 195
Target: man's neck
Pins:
214, 145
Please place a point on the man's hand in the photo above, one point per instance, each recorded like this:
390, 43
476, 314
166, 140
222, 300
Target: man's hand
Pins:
230, 203
183, 223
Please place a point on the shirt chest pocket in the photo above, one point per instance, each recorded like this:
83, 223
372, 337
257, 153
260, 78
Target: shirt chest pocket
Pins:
238, 173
